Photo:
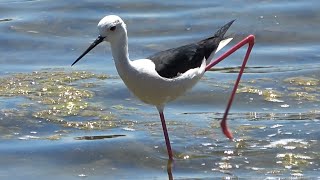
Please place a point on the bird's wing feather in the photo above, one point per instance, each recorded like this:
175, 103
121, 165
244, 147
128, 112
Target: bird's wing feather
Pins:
172, 62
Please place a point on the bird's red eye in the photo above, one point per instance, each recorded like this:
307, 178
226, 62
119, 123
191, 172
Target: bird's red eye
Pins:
113, 28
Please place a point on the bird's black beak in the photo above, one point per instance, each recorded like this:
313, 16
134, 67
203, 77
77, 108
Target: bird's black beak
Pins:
94, 44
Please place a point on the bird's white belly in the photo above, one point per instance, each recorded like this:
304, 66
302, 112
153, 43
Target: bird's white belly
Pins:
157, 91
145, 83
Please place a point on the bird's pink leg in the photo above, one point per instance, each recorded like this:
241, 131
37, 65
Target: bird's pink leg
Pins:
169, 169
166, 136
250, 41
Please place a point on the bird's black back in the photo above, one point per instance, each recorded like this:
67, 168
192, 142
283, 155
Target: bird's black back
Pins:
170, 63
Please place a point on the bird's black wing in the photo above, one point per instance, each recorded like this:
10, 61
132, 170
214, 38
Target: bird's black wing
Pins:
170, 63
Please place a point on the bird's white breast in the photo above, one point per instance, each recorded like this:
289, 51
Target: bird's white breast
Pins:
143, 80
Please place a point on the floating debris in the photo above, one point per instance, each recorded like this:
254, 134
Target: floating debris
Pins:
224, 165
186, 157
128, 129
206, 144
82, 175
276, 126
28, 137
288, 142
284, 105
91, 125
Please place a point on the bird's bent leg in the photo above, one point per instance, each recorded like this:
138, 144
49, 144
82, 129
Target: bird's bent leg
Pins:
166, 136
250, 41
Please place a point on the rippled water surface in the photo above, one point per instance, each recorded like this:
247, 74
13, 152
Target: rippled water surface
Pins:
58, 121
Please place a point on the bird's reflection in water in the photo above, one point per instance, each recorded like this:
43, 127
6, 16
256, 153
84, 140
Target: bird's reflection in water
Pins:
169, 169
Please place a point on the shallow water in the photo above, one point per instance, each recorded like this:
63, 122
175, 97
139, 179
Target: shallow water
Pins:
98, 130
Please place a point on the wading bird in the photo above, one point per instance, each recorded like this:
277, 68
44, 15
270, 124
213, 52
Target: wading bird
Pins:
166, 75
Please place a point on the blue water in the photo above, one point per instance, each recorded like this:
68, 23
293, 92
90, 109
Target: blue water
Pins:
272, 139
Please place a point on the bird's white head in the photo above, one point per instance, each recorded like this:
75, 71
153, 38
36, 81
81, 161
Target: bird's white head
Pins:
111, 28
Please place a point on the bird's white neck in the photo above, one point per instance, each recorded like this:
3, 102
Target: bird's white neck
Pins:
120, 54
119, 50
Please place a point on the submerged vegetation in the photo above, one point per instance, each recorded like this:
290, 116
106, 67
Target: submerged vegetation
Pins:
293, 88
54, 96
65, 99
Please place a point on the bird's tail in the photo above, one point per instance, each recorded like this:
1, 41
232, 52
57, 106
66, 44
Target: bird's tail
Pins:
222, 31
220, 34
223, 41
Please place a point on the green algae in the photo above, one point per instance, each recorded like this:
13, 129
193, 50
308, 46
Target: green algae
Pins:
91, 125
268, 94
241, 144
298, 88
55, 97
290, 160
203, 132
249, 127
54, 137
302, 81
57, 135
303, 88
304, 96
88, 85
14, 112
121, 107
63, 98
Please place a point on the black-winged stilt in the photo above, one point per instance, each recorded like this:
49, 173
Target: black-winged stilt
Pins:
166, 75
